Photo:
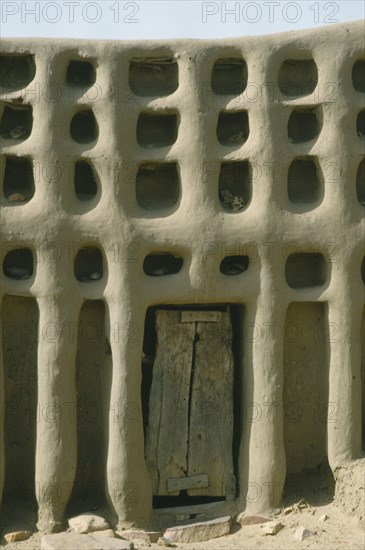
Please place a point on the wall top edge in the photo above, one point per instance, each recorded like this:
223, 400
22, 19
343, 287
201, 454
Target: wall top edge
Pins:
353, 31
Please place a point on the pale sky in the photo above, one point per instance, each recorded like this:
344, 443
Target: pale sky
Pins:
159, 19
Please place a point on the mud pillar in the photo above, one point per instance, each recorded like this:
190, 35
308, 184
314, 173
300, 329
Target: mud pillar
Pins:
128, 482
262, 456
344, 411
56, 427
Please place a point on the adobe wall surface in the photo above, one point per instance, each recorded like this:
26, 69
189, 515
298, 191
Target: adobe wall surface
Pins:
258, 158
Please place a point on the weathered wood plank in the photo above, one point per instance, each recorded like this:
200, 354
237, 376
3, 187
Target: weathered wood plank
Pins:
178, 484
194, 316
211, 410
167, 432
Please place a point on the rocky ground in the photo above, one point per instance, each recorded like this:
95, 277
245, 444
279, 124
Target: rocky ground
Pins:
318, 519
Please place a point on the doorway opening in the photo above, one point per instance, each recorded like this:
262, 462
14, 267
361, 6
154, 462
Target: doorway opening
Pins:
191, 379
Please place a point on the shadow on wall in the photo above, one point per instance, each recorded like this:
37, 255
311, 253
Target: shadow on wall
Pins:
93, 380
20, 319
363, 369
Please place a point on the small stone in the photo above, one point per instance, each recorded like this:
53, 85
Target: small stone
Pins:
272, 528
110, 543
73, 541
324, 517
16, 197
17, 536
302, 504
68, 541
87, 523
197, 532
251, 520
95, 276
135, 534
302, 533
288, 510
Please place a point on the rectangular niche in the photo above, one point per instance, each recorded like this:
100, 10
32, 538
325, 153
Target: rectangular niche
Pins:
93, 379
16, 122
191, 380
305, 270
235, 185
156, 129
158, 185
16, 71
153, 76
303, 125
305, 392
81, 72
297, 77
18, 179
232, 128
305, 182
20, 318
229, 76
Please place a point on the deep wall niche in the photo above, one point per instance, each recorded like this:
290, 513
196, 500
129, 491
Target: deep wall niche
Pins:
20, 318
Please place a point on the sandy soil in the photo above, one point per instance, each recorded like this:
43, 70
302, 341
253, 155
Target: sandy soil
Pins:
339, 531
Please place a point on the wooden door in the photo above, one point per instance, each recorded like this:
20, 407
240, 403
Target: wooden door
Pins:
190, 426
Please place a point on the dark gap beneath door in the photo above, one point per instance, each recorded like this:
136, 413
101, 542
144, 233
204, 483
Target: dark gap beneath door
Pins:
237, 319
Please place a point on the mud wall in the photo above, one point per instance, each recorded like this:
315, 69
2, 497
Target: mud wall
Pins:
181, 172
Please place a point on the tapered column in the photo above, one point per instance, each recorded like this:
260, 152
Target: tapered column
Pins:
262, 456
56, 427
129, 484
344, 411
